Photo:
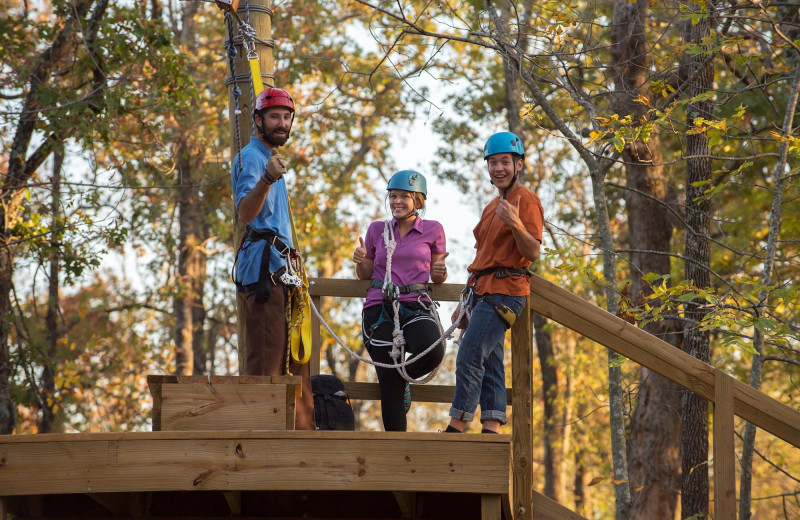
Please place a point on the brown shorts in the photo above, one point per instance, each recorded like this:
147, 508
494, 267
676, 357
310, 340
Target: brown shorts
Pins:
265, 350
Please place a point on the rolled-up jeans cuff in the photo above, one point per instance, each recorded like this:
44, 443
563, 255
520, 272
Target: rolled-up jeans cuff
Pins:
493, 415
461, 415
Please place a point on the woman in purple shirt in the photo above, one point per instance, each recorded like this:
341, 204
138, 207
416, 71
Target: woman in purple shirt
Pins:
418, 256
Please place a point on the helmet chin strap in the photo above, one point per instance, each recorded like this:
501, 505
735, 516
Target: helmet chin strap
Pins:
412, 214
511, 184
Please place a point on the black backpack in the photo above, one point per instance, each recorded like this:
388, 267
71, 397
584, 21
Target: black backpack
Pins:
332, 409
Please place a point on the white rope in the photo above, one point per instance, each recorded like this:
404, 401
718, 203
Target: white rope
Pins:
391, 245
398, 340
376, 363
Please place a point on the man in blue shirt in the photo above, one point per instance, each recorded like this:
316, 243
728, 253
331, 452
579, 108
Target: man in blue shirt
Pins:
264, 264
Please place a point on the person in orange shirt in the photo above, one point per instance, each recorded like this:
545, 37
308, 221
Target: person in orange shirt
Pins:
507, 239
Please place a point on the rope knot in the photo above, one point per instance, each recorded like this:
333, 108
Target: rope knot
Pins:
231, 48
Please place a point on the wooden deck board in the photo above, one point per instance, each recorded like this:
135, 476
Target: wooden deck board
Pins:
240, 461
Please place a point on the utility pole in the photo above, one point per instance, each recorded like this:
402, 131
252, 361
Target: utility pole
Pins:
258, 15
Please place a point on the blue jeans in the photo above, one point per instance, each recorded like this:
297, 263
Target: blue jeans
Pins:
480, 374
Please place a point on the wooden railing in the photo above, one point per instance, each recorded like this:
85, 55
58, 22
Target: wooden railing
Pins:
729, 396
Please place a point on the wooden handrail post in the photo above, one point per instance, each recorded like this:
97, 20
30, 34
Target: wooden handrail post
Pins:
724, 455
521, 414
316, 335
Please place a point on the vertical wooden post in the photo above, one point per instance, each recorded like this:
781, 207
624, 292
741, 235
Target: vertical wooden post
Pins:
724, 453
260, 19
316, 336
3, 508
490, 507
521, 414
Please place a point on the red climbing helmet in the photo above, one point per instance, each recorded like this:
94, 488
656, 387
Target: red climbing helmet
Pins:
274, 97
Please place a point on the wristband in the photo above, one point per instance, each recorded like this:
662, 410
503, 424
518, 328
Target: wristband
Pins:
267, 178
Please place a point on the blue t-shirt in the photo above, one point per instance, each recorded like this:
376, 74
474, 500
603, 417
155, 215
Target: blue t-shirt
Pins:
273, 217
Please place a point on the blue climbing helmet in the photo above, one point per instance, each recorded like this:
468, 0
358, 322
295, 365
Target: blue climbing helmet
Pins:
408, 180
503, 142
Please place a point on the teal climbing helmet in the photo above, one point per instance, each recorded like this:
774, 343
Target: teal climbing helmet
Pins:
408, 180
503, 142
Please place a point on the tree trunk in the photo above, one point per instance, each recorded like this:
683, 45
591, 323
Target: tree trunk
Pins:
653, 458
8, 410
202, 347
190, 313
780, 175
581, 484
616, 390
694, 431
554, 473
190, 281
48, 384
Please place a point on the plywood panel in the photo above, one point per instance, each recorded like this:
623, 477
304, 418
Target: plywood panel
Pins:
157, 382
195, 406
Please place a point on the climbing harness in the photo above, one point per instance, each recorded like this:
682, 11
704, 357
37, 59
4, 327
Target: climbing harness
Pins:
500, 272
393, 291
390, 292
398, 339
446, 334
504, 312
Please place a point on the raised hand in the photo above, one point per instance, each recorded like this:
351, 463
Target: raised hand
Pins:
275, 169
509, 213
439, 269
360, 252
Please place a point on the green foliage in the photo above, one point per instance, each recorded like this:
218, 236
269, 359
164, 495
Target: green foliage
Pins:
101, 361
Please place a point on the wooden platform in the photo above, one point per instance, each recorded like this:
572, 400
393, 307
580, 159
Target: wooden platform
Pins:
247, 474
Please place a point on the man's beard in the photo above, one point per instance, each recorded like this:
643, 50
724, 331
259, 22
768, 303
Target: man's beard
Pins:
272, 138
276, 140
